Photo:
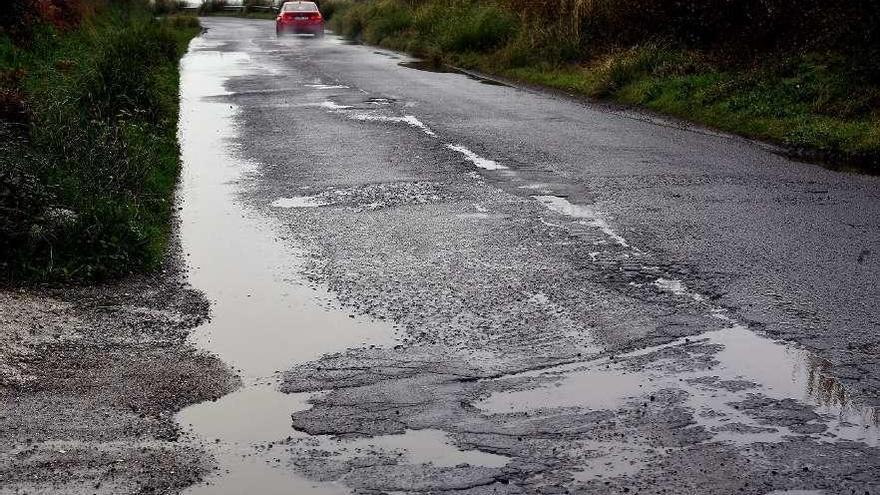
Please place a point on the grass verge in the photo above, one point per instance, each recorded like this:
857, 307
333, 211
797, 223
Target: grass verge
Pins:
820, 101
89, 158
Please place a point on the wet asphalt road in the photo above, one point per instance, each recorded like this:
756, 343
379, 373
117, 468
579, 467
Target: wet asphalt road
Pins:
577, 299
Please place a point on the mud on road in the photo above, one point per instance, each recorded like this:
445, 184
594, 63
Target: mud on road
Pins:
90, 379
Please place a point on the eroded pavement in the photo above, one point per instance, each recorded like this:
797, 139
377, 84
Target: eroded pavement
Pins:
432, 285
541, 340
90, 378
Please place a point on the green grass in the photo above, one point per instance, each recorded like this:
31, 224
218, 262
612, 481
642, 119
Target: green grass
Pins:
806, 104
88, 182
820, 105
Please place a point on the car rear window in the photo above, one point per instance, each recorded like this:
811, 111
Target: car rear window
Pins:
299, 7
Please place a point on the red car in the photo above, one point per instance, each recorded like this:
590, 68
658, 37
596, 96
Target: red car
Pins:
299, 17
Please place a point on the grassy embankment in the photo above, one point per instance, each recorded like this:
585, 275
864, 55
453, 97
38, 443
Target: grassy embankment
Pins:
804, 74
89, 158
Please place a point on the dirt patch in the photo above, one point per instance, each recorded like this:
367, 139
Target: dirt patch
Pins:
90, 378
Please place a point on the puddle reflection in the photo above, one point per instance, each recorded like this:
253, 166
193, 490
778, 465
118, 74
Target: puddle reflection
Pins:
264, 318
743, 364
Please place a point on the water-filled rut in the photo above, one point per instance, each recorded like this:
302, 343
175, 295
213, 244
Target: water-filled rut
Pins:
264, 317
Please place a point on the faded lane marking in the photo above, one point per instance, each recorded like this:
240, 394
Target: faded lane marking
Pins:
333, 106
326, 86
409, 120
374, 116
564, 207
477, 160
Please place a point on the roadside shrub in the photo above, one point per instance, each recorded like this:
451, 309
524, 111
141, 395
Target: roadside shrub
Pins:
738, 28
19, 18
564, 30
329, 9
166, 7
24, 203
388, 18
475, 27
372, 21
348, 17
13, 107
461, 25
183, 21
623, 67
64, 14
211, 6
87, 181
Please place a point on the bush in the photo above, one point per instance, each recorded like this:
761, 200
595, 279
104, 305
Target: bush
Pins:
20, 18
474, 27
211, 6
459, 25
740, 29
24, 203
329, 9
88, 181
388, 19
183, 21
621, 68
166, 7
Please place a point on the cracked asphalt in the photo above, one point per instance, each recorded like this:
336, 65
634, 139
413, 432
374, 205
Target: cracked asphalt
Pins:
428, 282
605, 301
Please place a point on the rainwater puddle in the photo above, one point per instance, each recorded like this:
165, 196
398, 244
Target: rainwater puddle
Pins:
596, 388
423, 447
254, 424
264, 318
746, 364
785, 371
